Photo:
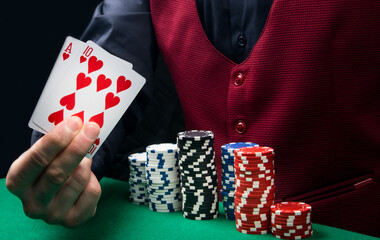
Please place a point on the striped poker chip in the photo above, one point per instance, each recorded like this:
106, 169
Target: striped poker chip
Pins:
162, 148
163, 178
198, 174
291, 220
228, 172
138, 192
254, 189
257, 151
231, 147
291, 208
196, 135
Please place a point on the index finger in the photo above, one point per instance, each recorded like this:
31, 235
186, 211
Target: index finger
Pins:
26, 169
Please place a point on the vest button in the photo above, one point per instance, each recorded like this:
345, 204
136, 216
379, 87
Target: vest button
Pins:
242, 40
240, 127
238, 79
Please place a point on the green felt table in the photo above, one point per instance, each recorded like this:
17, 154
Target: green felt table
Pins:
116, 218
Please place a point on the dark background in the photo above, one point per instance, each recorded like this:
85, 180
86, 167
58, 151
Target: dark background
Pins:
32, 33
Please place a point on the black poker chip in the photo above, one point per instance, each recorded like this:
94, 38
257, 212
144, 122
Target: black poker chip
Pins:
198, 174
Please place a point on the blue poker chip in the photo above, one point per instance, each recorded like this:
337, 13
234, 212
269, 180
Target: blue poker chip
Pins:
168, 206
170, 169
162, 148
166, 193
230, 147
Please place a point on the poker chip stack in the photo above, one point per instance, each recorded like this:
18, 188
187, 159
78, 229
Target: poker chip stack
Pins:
228, 176
138, 193
291, 220
198, 174
254, 189
163, 178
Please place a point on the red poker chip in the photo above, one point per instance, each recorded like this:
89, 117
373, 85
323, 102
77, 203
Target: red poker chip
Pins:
251, 219
257, 171
252, 210
301, 227
296, 208
252, 222
290, 224
254, 183
250, 180
262, 232
290, 219
255, 158
253, 200
253, 194
241, 207
291, 216
293, 230
248, 216
253, 188
249, 192
293, 237
253, 229
253, 171
256, 212
248, 163
253, 161
254, 151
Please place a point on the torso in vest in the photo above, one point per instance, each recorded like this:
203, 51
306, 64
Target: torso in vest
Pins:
309, 89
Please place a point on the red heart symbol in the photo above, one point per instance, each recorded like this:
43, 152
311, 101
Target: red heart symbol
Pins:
122, 84
82, 59
111, 100
56, 117
99, 119
97, 141
83, 81
94, 64
80, 115
103, 82
65, 56
68, 101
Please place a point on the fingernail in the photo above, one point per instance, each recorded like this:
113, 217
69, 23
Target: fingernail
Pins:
91, 131
74, 124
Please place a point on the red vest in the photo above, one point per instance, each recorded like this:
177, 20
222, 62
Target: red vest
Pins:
310, 89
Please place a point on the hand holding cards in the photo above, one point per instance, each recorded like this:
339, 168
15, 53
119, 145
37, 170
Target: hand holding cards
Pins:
90, 83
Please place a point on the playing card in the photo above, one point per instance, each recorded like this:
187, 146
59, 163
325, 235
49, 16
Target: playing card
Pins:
71, 47
97, 87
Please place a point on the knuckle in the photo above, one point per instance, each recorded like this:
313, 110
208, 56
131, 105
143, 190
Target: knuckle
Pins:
54, 217
38, 158
11, 185
73, 220
59, 140
79, 180
33, 210
78, 151
56, 176
94, 190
